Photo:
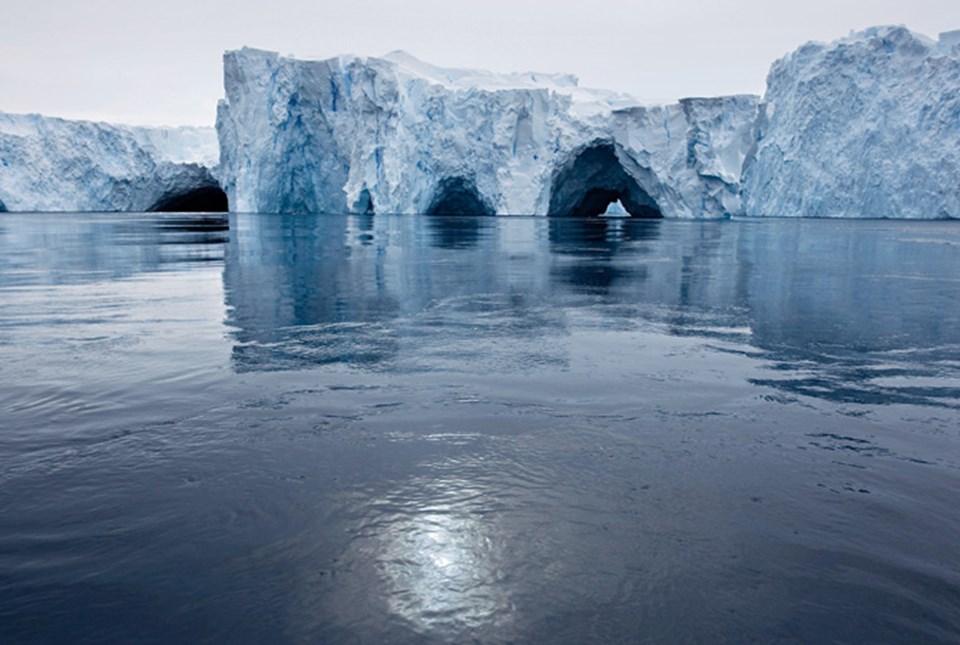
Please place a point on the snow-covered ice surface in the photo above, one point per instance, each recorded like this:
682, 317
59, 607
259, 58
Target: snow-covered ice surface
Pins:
867, 126
51, 164
396, 135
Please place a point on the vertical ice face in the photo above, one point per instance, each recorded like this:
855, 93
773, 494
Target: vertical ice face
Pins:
863, 127
49, 164
396, 135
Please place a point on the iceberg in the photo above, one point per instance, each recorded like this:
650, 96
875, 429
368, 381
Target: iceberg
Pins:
867, 126
616, 209
396, 135
51, 164
862, 127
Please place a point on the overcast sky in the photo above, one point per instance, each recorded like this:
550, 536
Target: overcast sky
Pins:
160, 62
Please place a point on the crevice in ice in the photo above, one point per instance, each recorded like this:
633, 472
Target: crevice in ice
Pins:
207, 199
595, 179
458, 196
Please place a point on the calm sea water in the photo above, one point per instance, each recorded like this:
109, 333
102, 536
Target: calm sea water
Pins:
397, 429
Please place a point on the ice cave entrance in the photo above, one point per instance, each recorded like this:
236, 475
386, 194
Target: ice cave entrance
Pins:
458, 196
208, 199
364, 203
595, 183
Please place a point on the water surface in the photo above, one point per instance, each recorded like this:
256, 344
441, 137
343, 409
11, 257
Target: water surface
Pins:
398, 429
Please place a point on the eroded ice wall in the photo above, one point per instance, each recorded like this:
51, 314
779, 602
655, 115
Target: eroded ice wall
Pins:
393, 135
863, 127
50, 164
867, 126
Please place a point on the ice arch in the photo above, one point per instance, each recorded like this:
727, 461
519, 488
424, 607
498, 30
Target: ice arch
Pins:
592, 181
458, 196
205, 199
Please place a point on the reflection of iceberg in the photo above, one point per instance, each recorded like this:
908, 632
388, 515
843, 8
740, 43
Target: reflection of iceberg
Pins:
298, 295
854, 305
306, 291
503, 294
590, 254
452, 232
95, 247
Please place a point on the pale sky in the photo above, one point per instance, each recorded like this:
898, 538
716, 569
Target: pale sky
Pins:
160, 62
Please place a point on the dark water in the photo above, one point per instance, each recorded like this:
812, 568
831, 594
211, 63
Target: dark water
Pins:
358, 429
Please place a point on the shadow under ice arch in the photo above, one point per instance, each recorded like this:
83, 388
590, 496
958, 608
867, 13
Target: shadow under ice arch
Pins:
202, 199
459, 196
594, 179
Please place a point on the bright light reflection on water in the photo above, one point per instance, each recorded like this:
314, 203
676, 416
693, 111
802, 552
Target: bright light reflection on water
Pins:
442, 564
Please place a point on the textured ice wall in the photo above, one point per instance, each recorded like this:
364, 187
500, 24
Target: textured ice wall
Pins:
50, 164
350, 134
868, 126
863, 127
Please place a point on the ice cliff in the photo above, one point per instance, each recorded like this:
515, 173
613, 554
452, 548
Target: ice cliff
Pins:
395, 135
868, 126
50, 164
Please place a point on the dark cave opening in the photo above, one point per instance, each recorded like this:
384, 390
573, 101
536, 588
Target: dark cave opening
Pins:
458, 196
593, 181
364, 203
208, 199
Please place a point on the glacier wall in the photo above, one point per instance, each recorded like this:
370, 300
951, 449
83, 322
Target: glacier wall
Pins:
395, 135
50, 164
867, 126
